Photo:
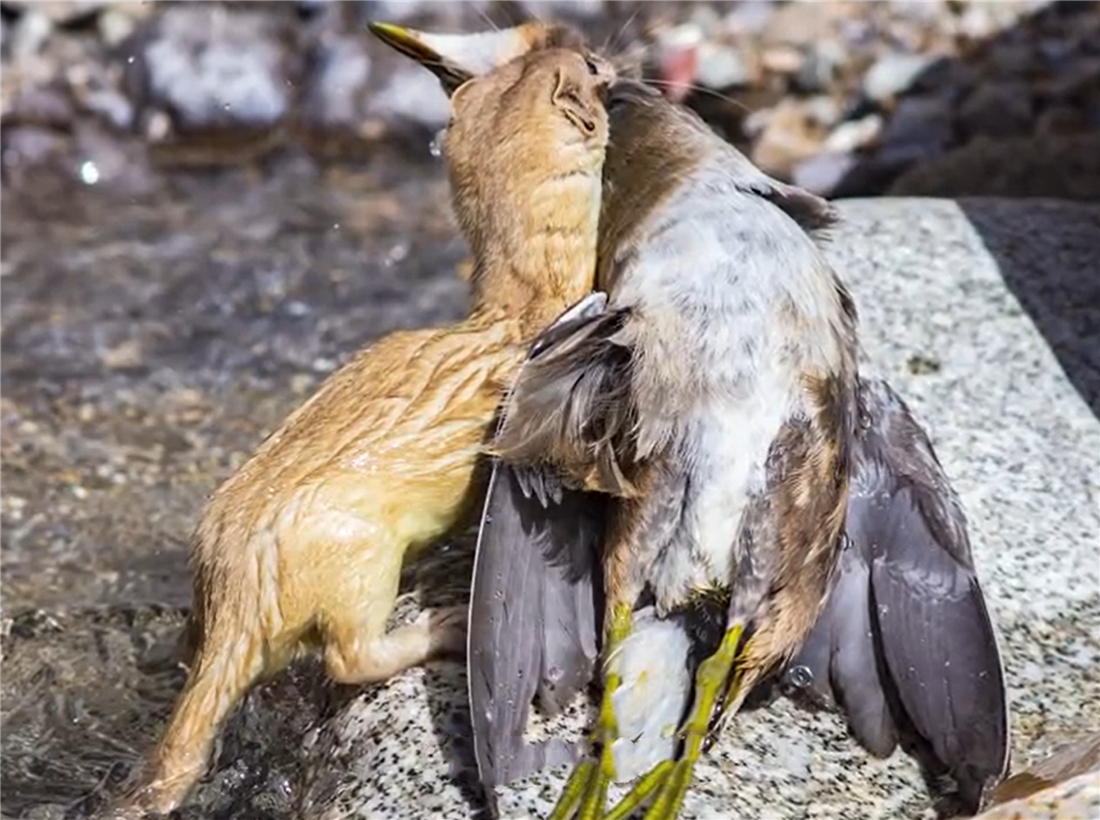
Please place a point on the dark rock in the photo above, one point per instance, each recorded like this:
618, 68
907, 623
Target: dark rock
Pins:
919, 127
1061, 167
42, 106
1002, 109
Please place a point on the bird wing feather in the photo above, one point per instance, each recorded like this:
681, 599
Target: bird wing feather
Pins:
905, 625
533, 605
571, 406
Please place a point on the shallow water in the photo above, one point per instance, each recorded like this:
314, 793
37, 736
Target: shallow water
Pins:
149, 342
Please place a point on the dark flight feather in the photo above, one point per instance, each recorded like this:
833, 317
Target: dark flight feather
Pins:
904, 641
534, 600
532, 622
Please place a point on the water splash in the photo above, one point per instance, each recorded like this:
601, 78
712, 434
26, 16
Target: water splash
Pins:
800, 677
435, 147
89, 173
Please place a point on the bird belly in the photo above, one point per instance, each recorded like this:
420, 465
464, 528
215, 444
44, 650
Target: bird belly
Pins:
726, 453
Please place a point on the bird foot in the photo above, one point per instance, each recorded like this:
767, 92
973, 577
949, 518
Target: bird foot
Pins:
586, 790
668, 781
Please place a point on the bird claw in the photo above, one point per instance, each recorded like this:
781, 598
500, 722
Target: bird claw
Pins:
668, 781
587, 785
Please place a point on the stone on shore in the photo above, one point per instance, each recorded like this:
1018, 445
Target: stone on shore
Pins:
972, 287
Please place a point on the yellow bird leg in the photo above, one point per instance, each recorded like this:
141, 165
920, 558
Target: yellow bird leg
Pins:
574, 788
672, 781
646, 785
590, 788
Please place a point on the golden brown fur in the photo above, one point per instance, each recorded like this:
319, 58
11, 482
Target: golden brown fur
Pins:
302, 548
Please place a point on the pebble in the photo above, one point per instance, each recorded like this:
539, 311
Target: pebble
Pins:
722, 66
782, 59
787, 138
894, 73
30, 34
848, 136
824, 172
211, 67
342, 68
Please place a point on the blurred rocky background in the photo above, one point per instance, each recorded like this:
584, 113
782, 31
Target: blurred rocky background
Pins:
206, 207
846, 98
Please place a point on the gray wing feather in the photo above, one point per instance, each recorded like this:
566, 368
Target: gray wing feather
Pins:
532, 628
908, 640
532, 621
571, 405
939, 645
841, 655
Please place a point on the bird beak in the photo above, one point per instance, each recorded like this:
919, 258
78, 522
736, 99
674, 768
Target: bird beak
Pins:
455, 58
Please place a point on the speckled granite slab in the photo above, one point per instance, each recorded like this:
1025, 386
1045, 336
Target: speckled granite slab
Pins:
985, 315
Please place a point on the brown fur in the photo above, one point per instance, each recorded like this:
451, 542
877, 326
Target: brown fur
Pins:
302, 548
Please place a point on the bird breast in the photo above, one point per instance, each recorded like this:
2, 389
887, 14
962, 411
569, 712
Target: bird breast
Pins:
731, 304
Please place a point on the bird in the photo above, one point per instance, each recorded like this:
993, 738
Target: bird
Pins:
548, 470
712, 400
301, 549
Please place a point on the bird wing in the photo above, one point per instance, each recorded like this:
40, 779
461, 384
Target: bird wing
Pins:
840, 656
571, 406
905, 628
532, 622
532, 627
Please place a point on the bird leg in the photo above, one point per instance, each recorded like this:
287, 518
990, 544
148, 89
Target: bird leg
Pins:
587, 785
670, 780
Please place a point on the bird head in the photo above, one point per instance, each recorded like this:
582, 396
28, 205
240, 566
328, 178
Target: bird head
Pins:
456, 58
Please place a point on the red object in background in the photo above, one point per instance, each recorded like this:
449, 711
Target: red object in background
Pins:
676, 70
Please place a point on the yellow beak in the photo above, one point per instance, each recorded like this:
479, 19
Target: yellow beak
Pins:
455, 58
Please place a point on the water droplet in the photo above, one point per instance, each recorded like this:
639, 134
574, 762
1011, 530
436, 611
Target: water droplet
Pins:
395, 254
435, 147
800, 677
89, 173
130, 60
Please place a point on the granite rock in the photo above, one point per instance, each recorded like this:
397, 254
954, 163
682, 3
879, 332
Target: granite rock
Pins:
935, 280
149, 345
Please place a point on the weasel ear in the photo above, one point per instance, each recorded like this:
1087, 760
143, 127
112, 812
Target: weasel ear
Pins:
455, 58
567, 98
460, 92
